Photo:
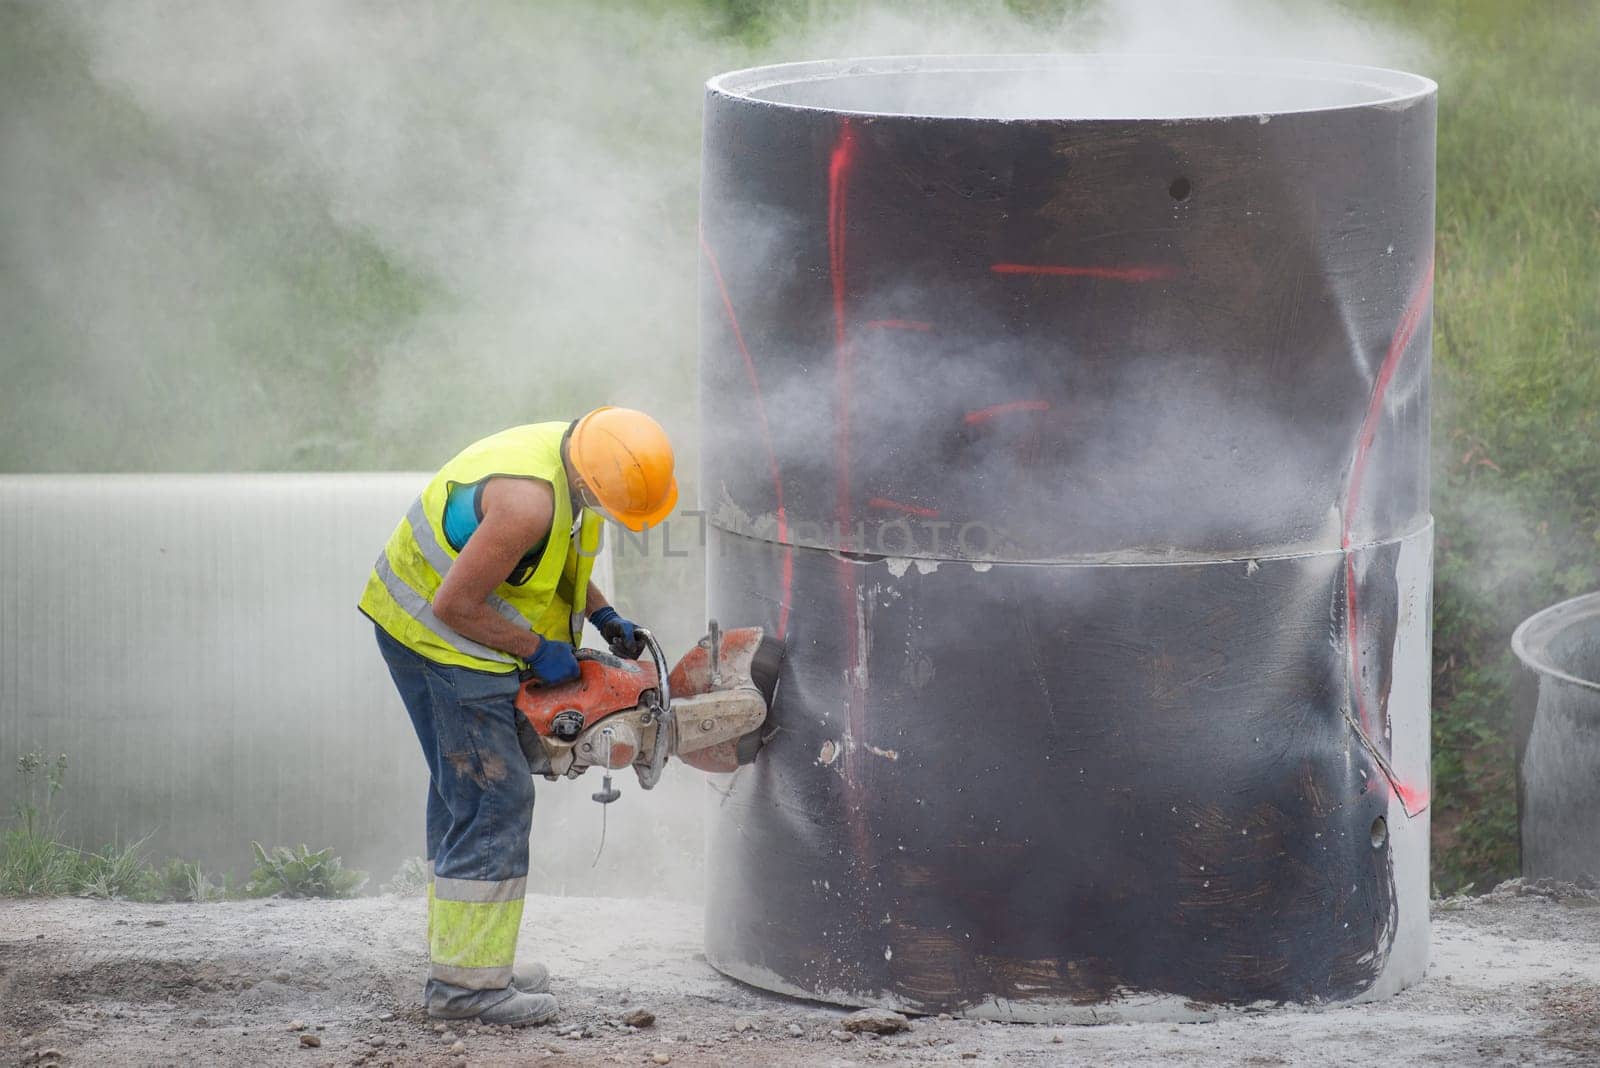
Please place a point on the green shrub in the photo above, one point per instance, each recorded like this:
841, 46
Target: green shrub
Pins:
410, 879
283, 872
182, 880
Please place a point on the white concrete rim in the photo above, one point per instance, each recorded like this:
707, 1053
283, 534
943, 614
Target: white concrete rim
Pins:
1530, 641
1390, 89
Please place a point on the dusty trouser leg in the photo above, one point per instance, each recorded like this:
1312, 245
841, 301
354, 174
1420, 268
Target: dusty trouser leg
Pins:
437, 822
478, 840
481, 867
410, 674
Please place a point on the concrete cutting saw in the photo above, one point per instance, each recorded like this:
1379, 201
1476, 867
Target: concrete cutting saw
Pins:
708, 711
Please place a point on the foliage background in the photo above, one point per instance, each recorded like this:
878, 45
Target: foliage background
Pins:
185, 285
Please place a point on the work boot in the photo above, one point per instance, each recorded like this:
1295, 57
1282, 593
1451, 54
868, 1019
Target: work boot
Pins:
530, 978
508, 1007
521, 1009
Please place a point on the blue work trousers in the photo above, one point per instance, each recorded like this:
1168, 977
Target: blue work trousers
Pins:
480, 813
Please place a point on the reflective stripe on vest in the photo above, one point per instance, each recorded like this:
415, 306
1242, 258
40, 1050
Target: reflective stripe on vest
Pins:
419, 609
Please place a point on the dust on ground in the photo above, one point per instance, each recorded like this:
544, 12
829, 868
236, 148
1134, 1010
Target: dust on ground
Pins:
1515, 978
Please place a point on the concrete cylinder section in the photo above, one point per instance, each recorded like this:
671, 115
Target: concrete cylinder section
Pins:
1068, 418
1558, 750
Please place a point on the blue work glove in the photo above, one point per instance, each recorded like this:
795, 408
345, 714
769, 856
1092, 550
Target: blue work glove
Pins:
553, 663
621, 634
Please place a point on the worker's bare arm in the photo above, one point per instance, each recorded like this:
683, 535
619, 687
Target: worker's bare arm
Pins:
517, 513
594, 600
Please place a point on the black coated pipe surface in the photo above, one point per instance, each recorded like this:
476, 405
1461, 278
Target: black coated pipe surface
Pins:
1068, 419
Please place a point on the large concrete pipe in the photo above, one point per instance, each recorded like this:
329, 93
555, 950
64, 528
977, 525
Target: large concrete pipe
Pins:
1558, 741
1068, 416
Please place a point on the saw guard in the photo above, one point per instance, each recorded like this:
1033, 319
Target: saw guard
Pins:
727, 698
735, 654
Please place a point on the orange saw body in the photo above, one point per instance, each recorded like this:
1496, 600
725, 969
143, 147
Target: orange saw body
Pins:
708, 711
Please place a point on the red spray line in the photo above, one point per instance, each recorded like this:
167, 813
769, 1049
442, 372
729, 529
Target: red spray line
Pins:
766, 437
885, 504
1369, 425
1412, 798
839, 167
983, 415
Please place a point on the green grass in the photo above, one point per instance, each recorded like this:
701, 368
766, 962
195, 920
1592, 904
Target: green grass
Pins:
37, 861
37, 864
1516, 380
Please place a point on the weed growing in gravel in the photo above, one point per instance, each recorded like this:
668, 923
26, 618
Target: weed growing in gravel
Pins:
33, 860
115, 872
410, 879
33, 864
283, 872
183, 880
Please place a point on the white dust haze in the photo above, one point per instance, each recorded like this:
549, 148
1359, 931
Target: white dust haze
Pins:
309, 235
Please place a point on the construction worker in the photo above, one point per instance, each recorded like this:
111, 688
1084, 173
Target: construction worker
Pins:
484, 581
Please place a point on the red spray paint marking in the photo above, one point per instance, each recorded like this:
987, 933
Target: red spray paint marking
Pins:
766, 436
1369, 425
1408, 794
983, 415
850, 606
844, 149
897, 324
1412, 798
885, 504
1152, 273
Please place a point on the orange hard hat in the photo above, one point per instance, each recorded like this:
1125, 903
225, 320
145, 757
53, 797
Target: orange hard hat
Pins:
624, 458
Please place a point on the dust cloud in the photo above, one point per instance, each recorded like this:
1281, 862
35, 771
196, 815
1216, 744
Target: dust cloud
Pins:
306, 236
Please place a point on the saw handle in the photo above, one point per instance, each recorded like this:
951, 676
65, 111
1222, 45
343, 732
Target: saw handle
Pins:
660, 660
665, 724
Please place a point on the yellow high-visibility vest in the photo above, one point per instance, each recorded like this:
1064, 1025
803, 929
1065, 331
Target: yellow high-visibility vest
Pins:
400, 591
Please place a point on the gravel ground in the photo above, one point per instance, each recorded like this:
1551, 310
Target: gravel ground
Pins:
1515, 978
